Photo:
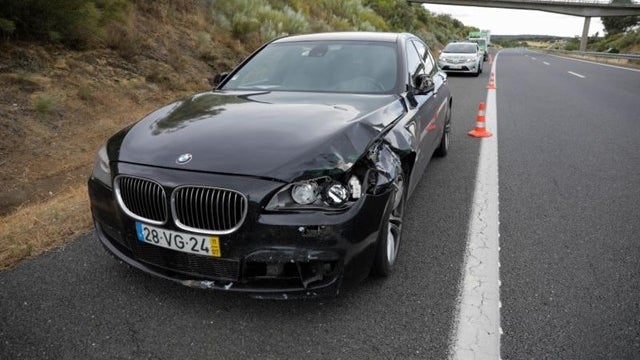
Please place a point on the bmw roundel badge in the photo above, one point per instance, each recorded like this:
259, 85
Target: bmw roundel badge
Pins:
183, 159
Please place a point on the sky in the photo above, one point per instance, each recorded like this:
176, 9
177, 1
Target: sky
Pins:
518, 22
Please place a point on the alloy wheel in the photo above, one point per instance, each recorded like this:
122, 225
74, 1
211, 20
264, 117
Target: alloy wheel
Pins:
394, 228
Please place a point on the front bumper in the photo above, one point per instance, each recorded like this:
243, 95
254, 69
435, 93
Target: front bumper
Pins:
272, 255
459, 67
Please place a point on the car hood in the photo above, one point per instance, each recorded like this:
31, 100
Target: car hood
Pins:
278, 135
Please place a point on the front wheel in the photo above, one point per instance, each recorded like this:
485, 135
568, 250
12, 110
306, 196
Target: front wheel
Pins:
391, 230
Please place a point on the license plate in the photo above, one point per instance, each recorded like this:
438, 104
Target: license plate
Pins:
178, 241
456, 66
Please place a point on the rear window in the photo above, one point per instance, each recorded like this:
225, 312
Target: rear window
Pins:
460, 48
480, 42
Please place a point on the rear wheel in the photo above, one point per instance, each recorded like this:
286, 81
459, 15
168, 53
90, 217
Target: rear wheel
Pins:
445, 141
391, 231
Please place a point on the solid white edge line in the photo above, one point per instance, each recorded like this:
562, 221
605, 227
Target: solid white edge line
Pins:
576, 74
476, 329
596, 63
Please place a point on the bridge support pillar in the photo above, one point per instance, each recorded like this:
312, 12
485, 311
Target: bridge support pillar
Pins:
585, 33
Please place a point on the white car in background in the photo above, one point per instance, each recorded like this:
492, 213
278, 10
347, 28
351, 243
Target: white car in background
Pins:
461, 57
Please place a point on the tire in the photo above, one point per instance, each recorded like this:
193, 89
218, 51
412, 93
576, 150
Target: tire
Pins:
445, 140
390, 233
477, 73
480, 66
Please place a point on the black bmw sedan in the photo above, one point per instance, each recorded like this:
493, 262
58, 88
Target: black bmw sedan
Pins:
289, 179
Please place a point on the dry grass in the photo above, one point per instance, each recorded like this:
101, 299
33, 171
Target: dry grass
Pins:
539, 44
37, 227
58, 106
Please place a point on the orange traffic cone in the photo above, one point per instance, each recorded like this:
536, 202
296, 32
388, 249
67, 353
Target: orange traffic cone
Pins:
492, 82
480, 131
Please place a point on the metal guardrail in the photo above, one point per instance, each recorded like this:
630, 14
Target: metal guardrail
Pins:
585, 2
610, 55
599, 54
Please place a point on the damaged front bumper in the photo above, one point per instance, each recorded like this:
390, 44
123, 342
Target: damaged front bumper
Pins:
309, 283
273, 255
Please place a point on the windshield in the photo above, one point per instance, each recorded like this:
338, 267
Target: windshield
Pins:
323, 66
460, 48
480, 42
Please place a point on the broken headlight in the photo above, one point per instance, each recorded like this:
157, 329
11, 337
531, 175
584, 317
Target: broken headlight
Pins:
321, 194
305, 193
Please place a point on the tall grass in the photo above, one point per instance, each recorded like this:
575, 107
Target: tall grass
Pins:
257, 20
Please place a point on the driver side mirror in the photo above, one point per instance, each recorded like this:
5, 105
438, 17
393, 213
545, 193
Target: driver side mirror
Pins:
424, 84
216, 80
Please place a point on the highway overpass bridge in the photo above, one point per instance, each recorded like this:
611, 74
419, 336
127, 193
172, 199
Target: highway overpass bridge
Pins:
583, 8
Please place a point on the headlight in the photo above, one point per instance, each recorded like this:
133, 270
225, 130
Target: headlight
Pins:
336, 194
469, 60
305, 193
101, 169
317, 194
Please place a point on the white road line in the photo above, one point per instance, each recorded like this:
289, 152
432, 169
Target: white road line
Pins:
476, 329
532, 58
576, 74
546, 63
595, 63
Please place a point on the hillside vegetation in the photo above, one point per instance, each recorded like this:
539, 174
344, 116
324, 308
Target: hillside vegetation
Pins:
627, 42
76, 71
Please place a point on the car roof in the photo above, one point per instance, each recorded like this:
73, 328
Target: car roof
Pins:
352, 35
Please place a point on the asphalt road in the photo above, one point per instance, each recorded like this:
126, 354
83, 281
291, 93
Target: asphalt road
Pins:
569, 173
569, 167
79, 302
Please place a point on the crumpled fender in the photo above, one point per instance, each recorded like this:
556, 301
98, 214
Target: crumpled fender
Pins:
387, 166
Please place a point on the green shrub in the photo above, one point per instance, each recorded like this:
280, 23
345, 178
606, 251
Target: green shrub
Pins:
203, 40
45, 103
124, 40
629, 39
7, 27
434, 29
75, 23
572, 46
85, 93
89, 23
258, 19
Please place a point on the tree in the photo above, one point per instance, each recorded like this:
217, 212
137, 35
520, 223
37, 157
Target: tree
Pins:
619, 24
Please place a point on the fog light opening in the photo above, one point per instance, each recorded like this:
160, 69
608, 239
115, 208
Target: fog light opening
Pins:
274, 270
